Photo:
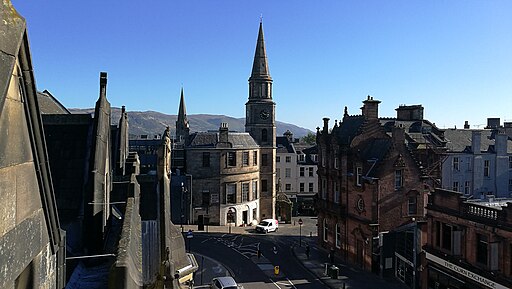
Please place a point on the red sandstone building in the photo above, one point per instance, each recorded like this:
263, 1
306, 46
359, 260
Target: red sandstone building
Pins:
469, 243
374, 175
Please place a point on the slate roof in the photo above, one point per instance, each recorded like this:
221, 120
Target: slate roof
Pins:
375, 149
211, 139
48, 104
459, 140
284, 145
348, 128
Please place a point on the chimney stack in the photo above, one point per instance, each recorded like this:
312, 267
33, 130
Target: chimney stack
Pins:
370, 108
326, 125
466, 124
223, 132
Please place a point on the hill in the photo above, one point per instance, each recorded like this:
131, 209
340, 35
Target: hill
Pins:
152, 122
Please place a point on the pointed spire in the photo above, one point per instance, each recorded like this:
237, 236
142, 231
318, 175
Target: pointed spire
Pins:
260, 64
182, 111
182, 124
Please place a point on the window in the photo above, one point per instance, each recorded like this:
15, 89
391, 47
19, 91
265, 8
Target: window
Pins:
336, 192
245, 192
231, 159
325, 230
338, 236
398, 179
264, 160
255, 158
206, 159
301, 171
288, 187
467, 188
278, 173
510, 162
254, 190
288, 173
323, 156
455, 186
310, 169
455, 163
314, 158
324, 189
301, 187
264, 186
264, 135
481, 249
206, 198
446, 236
231, 193
288, 159
412, 206
245, 158
359, 174
486, 168
336, 163
301, 157
278, 159
311, 188
468, 164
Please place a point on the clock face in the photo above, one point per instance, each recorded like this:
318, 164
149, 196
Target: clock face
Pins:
264, 114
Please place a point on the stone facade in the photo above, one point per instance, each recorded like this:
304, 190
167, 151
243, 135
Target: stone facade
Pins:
468, 243
373, 183
32, 246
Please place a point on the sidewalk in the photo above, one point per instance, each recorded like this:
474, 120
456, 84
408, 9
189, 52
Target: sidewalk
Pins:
348, 276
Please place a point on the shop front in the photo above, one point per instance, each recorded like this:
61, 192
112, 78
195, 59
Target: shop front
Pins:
442, 274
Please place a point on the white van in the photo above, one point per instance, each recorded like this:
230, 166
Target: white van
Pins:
267, 225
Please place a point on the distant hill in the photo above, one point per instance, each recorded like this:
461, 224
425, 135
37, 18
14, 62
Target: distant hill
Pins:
152, 122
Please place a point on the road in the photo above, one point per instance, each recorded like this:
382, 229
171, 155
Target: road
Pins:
239, 254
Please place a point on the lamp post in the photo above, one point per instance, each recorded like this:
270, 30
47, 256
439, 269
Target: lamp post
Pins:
300, 232
181, 206
189, 238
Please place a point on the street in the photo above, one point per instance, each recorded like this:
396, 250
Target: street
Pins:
239, 254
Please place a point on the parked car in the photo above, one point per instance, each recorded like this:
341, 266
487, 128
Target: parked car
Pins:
267, 225
225, 283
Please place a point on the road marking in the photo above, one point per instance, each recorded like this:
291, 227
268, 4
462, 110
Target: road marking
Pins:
275, 283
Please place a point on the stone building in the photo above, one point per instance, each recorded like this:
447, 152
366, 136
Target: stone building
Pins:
373, 178
32, 245
296, 165
478, 163
233, 173
468, 242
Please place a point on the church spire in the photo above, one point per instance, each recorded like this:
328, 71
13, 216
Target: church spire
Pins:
260, 65
182, 124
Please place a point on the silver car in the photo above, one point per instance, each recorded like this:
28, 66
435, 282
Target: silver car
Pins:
224, 283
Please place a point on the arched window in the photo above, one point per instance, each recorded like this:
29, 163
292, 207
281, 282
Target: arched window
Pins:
264, 135
325, 230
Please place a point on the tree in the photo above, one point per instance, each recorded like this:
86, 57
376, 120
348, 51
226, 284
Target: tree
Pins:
310, 138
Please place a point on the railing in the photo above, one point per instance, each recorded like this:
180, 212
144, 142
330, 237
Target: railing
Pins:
482, 211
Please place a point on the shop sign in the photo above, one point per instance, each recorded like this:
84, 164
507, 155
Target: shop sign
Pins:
466, 273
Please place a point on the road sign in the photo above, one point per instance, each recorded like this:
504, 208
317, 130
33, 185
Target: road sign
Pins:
300, 222
189, 234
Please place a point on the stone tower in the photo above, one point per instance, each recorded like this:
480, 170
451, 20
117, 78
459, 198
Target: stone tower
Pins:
182, 125
261, 125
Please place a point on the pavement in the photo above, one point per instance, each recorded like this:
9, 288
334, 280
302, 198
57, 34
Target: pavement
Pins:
349, 276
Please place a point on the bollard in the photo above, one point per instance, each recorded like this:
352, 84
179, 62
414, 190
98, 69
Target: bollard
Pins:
310, 234
276, 270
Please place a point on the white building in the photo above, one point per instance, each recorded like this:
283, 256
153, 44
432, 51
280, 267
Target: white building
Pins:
296, 166
478, 163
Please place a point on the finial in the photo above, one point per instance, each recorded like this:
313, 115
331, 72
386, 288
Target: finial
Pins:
261, 18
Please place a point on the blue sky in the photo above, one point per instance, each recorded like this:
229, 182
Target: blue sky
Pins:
453, 57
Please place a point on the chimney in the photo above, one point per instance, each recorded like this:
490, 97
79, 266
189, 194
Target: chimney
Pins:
398, 134
500, 144
493, 122
326, 125
289, 135
370, 108
223, 132
466, 124
476, 137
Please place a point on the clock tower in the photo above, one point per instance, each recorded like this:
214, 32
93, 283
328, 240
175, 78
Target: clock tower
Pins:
261, 125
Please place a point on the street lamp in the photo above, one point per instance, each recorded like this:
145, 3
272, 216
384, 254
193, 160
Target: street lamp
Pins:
181, 206
300, 232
